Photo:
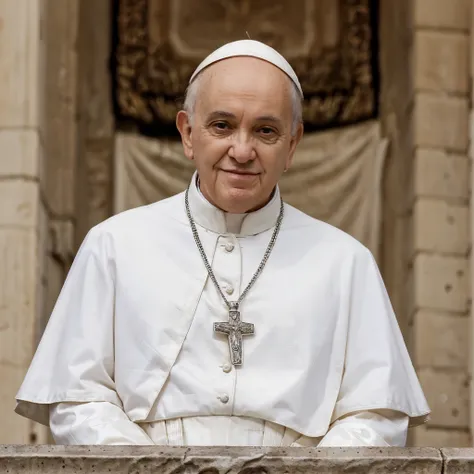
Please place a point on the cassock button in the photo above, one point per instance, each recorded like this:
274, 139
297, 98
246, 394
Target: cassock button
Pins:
224, 398
229, 247
226, 368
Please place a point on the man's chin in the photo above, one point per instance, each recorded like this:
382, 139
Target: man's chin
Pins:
240, 201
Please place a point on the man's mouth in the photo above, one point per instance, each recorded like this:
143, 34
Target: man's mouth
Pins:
241, 172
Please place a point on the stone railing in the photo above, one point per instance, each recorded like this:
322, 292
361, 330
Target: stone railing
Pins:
167, 460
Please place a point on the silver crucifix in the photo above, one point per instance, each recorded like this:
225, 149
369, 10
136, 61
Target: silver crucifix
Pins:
235, 329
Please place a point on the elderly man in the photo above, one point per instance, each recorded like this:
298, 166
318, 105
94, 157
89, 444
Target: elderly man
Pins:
222, 316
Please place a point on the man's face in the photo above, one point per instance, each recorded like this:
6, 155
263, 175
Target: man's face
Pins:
240, 137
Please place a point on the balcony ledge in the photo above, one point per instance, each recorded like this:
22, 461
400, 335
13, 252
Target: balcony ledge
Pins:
236, 460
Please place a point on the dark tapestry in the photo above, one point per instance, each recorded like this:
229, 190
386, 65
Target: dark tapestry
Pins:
331, 44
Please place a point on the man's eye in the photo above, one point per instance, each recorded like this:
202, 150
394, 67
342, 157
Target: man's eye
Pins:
267, 131
220, 125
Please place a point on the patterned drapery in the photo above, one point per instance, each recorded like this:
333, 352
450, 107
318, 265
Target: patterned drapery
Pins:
159, 43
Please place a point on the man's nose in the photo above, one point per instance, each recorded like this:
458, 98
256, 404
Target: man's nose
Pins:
242, 148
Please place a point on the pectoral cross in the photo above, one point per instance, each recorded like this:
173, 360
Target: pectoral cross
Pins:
235, 329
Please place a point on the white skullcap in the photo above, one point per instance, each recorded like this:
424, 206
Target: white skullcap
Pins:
251, 48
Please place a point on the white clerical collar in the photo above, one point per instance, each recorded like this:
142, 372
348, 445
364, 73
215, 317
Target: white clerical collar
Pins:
210, 217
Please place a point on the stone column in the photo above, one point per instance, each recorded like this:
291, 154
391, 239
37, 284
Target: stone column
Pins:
396, 106
424, 63
59, 125
37, 169
96, 121
440, 314
470, 337
22, 214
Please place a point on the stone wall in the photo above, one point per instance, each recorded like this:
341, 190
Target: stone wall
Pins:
424, 61
96, 128
23, 214
396, 106
440, 217
59, 124
127, 459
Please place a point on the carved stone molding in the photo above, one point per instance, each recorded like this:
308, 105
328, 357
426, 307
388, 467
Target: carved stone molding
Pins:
221, 459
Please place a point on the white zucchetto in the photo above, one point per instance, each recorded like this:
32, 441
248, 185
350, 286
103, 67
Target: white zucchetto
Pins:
251, 48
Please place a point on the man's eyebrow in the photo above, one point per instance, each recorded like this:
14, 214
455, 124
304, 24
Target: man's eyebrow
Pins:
220, 114
269, 118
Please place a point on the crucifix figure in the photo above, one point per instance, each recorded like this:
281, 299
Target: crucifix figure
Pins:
235, 329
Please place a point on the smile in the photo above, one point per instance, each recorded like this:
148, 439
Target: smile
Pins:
240, 173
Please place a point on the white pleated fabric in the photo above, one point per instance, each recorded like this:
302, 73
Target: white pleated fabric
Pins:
103, 423
130, 344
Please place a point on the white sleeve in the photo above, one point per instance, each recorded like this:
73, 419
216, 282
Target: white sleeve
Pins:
368, 428
378, 373
75, 360
94, 423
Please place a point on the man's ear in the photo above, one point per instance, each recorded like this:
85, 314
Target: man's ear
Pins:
294, 143
184, 126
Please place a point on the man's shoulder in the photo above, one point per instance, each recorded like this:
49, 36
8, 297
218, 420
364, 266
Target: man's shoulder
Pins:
315, 231
157, 214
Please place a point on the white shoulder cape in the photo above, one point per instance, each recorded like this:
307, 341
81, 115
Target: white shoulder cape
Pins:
334, 346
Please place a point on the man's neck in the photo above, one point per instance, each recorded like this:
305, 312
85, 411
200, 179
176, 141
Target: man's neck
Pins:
233, 221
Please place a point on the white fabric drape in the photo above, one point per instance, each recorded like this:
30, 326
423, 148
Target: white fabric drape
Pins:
104, 423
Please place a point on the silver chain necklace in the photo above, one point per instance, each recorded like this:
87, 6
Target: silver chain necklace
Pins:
235, 328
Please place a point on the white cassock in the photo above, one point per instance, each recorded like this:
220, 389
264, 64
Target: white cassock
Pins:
130, 357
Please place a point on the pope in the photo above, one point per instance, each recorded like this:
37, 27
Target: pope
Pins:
222, 315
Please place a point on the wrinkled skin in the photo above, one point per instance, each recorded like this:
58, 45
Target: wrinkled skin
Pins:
240, 133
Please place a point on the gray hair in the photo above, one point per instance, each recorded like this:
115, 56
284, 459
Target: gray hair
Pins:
296, 102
